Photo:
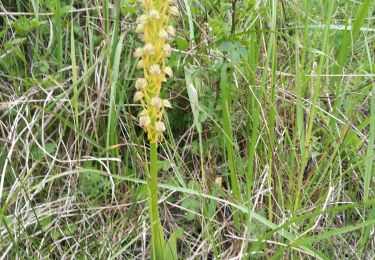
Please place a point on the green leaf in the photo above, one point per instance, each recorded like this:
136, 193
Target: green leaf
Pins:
38, 153
182, 44
191, 203
164, 165
128, 7
250, 3
55, 234
10, 44
51, 4
129, 10
227, 46
2, 32
64, 10
241, 49
193, 98
219, 27
235, 51
45, 223
170, 252
22, 26
234, 57
70, 229
92, 184
141, 192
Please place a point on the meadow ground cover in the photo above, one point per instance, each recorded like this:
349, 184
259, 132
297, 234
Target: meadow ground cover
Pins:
258, 145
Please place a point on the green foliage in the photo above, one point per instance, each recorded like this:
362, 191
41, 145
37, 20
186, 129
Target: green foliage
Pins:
37, 152
129, 7
94, 186
23, 25
235, 50
192, 204
290, 117
171, 252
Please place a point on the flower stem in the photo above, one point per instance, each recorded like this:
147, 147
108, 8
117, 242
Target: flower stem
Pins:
157, 240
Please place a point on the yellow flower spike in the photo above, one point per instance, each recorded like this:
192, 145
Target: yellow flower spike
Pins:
154, 29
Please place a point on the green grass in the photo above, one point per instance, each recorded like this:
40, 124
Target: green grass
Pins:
269, 150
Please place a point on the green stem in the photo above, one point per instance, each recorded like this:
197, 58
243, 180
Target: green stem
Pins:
59, 36
157, 240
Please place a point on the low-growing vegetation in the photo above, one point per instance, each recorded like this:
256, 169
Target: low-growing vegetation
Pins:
266, 150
